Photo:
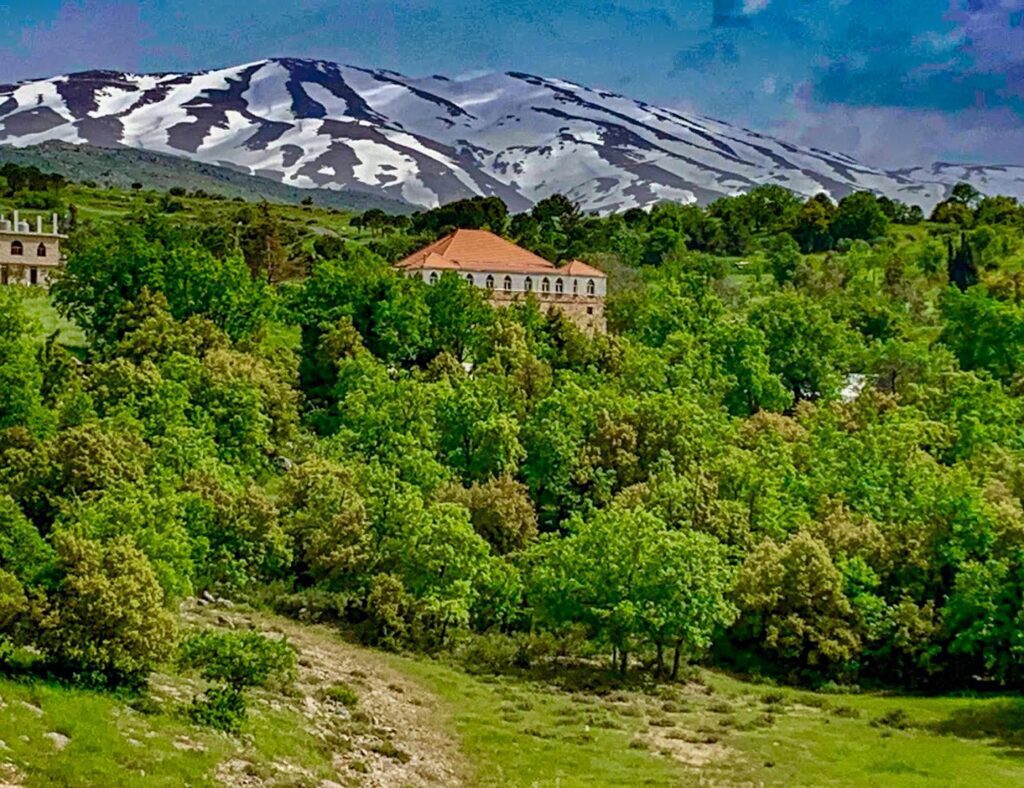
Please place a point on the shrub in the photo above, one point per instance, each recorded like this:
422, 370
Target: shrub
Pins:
238, 659
222, 708
105, 620
234, 661
341, 693
894, 718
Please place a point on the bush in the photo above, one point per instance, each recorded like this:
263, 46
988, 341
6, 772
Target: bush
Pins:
895, 718
341, 693
234, 661
238, 659
105, 620
222, 708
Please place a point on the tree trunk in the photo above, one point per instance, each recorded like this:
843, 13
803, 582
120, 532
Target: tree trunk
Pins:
661, 659
675, 659
623, 662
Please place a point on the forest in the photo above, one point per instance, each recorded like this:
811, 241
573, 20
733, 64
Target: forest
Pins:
798, 453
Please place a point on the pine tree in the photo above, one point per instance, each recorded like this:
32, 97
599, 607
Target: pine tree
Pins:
961, 268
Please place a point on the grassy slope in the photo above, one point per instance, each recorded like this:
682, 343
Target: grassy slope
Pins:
122, 167
113, 744
724, 731
516, 732
98, 203
39, 308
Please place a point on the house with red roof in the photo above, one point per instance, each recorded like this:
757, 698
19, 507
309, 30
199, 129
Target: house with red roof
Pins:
509, 273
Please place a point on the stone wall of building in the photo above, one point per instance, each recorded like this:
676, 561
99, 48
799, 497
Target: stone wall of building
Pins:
586, 312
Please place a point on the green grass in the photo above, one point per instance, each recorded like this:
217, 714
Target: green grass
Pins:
521, 734
108, 167
517, 731
110, 743
725, 731
40, 308
837, 739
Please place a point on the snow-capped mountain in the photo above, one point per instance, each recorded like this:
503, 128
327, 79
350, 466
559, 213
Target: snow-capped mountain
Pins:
428, 141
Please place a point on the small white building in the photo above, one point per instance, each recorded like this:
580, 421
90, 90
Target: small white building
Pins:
29, 251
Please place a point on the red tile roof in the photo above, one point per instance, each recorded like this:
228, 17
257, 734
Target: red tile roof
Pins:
579, 268
480, 250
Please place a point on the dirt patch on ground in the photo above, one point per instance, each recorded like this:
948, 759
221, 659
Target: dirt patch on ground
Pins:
394, 733
686, 749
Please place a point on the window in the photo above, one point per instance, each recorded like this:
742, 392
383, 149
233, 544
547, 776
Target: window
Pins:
17, 248
507, 284
5, 275
590, 310
545, 285
490, 282
41, 250
559, 286
528, 284
33, 276
590, 287
575, 286
433, 277
469, 278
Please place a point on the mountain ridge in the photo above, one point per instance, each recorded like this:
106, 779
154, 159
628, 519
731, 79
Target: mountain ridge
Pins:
430, 140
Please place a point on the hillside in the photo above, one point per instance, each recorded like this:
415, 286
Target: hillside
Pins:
123, 167
359, 717
428, 141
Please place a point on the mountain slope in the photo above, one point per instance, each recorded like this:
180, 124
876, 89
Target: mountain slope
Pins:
316, 124
121, 167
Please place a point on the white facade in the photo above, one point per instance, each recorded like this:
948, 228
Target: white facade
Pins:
549, 284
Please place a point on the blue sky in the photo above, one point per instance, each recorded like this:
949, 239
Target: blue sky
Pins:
897, 82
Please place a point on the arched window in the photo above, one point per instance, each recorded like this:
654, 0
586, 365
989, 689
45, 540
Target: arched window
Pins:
590, 287
545, 285
575, 286
507, 284
17, 248
469, 278
433, 277
41, 250
490, 282
559, 286
528, 284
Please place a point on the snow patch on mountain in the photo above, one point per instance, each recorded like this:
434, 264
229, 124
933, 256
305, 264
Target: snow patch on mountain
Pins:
427, 141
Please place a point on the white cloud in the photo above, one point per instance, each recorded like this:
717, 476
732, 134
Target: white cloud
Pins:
893, 137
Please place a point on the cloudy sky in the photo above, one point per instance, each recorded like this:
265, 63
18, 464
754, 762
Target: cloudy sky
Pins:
896, 82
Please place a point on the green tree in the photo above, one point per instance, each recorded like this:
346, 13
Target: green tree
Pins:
953, 212
805, 345
633, 583
984, 333
859, 216
812, 227
21, 378
111, 265
783, 256
105, 620
792, 605
234, 661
